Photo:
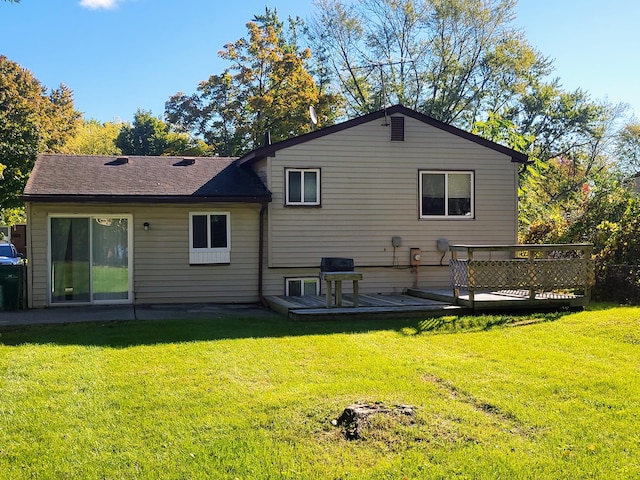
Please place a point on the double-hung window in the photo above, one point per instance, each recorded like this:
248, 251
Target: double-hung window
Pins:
209, 237
302, 186
447, 194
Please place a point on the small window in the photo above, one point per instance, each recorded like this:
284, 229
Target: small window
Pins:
209, 237
446, 195
303, 186
296, 287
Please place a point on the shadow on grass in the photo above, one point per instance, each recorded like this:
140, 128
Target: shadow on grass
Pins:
474, 323
122, 334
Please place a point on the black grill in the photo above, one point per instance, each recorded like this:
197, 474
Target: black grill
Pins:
336, 264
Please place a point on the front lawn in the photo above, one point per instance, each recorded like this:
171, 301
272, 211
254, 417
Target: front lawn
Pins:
544, 396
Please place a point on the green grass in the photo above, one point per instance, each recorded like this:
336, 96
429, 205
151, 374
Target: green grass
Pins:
107, 279
543, 396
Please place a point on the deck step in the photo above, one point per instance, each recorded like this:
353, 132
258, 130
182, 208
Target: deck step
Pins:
313, 307
367, 313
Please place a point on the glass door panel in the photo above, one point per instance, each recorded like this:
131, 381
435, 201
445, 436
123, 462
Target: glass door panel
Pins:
89, 259
70, 275
110, 258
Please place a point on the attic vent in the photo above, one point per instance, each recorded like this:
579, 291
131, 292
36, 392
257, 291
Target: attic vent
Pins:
397, 129
185, 162
118, 161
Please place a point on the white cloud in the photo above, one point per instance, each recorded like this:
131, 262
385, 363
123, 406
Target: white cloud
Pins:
97, 4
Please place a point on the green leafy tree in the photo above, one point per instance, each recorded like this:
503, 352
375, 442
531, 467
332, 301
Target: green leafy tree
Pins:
31, 122
555, 190
268, 87
608, 216
94, 138
628, 148
451, 59
148, 135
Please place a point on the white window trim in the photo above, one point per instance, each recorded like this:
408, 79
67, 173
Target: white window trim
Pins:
446, 216
200, 256
302, 171
288, 280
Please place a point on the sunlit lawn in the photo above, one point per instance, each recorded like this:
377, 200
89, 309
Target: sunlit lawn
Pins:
553, 396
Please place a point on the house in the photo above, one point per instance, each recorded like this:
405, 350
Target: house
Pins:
389, 189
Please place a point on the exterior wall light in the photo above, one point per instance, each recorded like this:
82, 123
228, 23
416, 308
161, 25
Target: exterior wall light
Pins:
146, 225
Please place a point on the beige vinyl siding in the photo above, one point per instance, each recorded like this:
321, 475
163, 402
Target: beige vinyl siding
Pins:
37, 269
375, 280
369, 193
160, 256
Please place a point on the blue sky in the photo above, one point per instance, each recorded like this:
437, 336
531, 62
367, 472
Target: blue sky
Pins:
121, 55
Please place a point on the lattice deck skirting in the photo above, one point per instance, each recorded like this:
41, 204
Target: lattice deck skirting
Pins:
561, 268
545, 274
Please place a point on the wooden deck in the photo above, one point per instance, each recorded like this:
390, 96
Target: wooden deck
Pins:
416, 303
314, 307
532, 277
506, 299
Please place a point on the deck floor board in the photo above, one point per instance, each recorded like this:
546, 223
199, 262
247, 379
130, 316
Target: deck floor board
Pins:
415, 302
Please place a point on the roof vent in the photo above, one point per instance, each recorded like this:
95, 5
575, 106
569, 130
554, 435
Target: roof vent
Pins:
118, 161
185, 162
397, 129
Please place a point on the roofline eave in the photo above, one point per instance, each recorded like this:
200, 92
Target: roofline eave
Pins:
164, 199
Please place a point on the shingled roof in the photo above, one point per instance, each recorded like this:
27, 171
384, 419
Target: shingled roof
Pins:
142, 179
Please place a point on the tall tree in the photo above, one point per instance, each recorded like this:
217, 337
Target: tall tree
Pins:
94, 138
451, 59
268, 87
573, 159
628, 148
148, 135
31, 122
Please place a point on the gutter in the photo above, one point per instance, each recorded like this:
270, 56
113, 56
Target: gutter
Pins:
140, 199
263, 210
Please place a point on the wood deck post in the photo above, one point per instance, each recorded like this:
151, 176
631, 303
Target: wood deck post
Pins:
586, 253
532, 276
456, 289
472, 281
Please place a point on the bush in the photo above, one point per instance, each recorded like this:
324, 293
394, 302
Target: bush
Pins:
617, 283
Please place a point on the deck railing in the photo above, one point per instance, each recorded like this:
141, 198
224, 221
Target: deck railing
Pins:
533, 268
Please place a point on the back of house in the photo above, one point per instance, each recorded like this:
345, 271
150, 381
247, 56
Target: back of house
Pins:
389, 190
381, 189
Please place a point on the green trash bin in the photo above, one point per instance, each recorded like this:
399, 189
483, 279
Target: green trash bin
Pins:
11, 285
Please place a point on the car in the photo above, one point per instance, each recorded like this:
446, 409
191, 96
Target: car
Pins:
9, 255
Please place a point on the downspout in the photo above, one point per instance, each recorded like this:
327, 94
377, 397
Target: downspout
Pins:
263, 210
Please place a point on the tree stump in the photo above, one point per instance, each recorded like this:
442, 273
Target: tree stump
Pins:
355, 417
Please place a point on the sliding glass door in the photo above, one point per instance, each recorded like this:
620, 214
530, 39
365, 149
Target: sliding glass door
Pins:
70, 268
90, 259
